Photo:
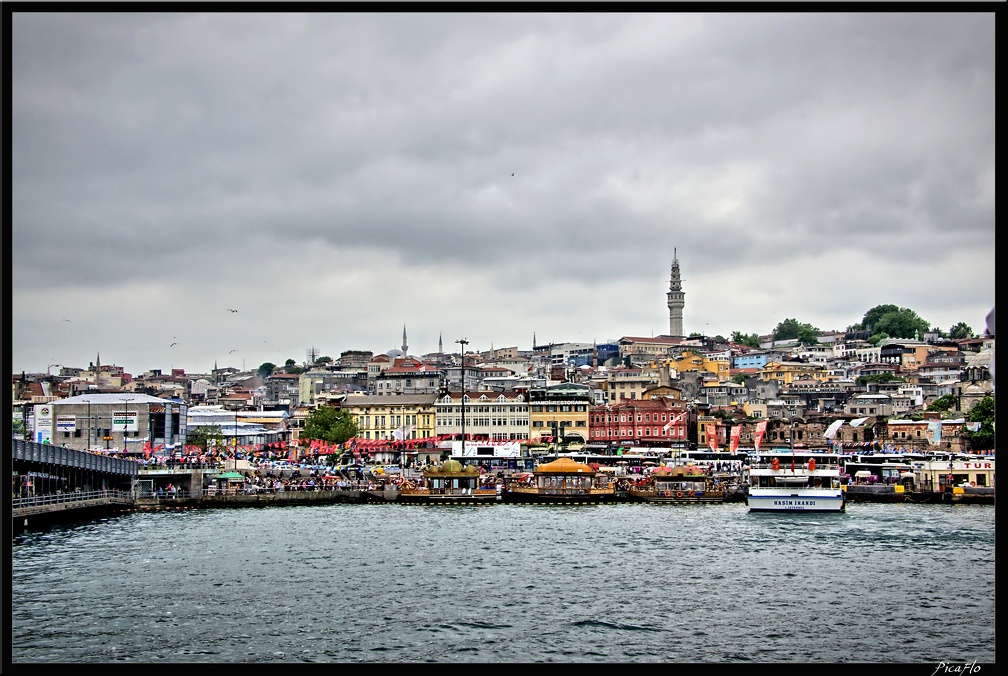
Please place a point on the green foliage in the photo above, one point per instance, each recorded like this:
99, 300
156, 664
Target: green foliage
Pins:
961, 330
266, 369
696, 335
289, 363
747, 339
19, 428
983, 413
943, 403
738, 379
792, 329
328, 423
205, 436
893, 322
874, 315
808, 335
878, 378
322, 361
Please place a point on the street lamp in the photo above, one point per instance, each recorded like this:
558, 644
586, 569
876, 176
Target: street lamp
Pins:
236, 438
88, 402
463, 342
126, 421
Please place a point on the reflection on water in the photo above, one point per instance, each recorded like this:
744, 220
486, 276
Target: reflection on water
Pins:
510, 583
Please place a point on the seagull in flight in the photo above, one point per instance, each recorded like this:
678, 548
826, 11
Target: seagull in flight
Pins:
234, 350
173, 345
66, 320
232, 310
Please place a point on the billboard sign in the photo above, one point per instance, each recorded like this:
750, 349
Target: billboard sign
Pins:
124, 421
43, 423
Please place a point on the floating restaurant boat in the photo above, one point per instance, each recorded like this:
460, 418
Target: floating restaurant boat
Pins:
681, 484
563, 481
450, 483
802, 481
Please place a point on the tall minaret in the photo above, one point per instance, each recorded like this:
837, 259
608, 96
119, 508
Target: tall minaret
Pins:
440, 345
404, 347
676, 299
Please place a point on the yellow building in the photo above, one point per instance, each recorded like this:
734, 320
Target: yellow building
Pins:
693, 361
409, 416
787, 372
564, 406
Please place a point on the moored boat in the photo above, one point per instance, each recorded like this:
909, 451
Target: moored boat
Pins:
803, 481
681, 484
563, 481
450, 483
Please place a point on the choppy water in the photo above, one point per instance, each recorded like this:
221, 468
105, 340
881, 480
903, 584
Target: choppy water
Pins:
510, 583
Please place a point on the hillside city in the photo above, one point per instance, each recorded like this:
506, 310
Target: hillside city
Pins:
671, 391
578, 393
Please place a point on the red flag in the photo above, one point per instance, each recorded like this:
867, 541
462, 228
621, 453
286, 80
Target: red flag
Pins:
760, 433
736, 437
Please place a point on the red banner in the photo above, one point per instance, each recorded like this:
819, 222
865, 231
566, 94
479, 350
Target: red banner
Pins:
736, 437
760, 433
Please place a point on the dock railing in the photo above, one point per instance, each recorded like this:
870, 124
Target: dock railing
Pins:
109, 495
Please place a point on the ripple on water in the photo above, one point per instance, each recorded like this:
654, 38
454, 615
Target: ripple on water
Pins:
511, 583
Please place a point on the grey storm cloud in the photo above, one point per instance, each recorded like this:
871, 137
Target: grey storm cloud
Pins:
296, 160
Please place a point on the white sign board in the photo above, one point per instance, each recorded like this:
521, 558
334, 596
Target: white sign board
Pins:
124, 421
43, 423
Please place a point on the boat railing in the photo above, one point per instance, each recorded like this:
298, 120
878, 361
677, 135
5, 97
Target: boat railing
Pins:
422, 490
786, 464
559, 490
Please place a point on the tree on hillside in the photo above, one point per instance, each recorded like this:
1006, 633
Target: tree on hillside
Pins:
983, 413
791, 329
747, 339
873, 316
890, 321
266, 369
961, 330
328, 423
943, 403
289, 363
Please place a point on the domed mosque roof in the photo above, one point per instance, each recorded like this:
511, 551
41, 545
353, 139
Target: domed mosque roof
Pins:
395, 352
981, 359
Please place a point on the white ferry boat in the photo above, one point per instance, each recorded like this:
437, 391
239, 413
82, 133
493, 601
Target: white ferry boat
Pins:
795, 481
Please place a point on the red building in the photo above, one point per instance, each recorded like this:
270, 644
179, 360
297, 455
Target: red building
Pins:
660, 421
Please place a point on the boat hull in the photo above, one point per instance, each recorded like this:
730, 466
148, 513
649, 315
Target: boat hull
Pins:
559, 498
679, 497
796, 500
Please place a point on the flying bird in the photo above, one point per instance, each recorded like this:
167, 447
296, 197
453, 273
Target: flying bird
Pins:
66, 320
173, 345
231, 310
234, 350
512, 173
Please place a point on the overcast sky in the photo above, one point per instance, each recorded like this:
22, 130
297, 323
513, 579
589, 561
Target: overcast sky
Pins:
494, 177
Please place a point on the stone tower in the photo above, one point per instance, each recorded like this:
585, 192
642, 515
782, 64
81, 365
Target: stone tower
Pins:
404, 346
676, 299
